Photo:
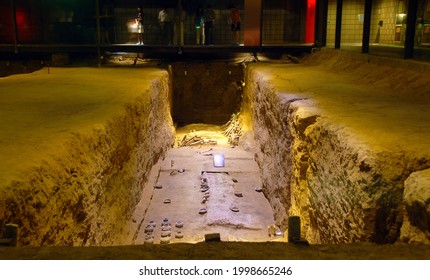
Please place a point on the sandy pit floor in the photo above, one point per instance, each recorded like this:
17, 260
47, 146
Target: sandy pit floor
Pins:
234, 209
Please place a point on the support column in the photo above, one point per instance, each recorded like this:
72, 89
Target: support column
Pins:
410, 28
310, 21
366, 26
321, 26
98, 31
339, 8
252, 24
15, 26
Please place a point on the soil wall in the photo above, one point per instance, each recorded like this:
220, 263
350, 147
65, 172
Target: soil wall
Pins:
206, 92
312, 165
84, 194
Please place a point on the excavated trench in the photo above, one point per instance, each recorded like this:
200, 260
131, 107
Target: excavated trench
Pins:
148, 160
207, 185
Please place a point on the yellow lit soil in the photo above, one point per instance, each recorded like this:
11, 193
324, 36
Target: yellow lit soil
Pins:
377, 109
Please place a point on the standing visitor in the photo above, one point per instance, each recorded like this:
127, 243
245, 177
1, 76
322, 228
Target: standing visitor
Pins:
199, 23
235, 24
209, 16
179, 25
166, 26
419, 31
139, 23
105, 19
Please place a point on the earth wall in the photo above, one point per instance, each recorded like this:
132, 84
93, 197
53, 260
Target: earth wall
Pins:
84, 194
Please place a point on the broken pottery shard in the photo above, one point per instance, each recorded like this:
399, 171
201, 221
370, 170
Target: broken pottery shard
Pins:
152, 223
158, 187
166, 233
258, 189
218, 160
234, 180
238, 194
167, 201
203, 211
179, 235
179, 224
234, 209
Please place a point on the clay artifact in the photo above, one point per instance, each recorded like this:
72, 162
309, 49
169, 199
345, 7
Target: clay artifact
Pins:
165, 222
167, 201
149, 229
166, 228
179, 224
149, 239
238, 194
165, 240
203, 211
234, 209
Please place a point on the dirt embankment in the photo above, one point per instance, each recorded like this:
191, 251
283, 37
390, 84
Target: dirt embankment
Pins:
84, 189
338, 136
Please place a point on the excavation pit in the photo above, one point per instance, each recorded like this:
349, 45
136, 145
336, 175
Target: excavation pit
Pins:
89, 154
203, 196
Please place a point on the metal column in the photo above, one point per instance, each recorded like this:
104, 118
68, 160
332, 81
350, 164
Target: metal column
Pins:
15, 26
366, 26
321, 22
410, 28
339, 8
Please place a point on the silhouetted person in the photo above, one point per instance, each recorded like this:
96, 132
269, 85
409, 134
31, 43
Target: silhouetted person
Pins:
139, 22
178, 31
199, 23
209, 24
235, 24
165, 20
105, 24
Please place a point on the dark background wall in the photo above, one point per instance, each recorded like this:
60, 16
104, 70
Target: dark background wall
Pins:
206, 92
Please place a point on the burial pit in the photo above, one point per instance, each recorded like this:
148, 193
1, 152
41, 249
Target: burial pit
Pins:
122, 155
